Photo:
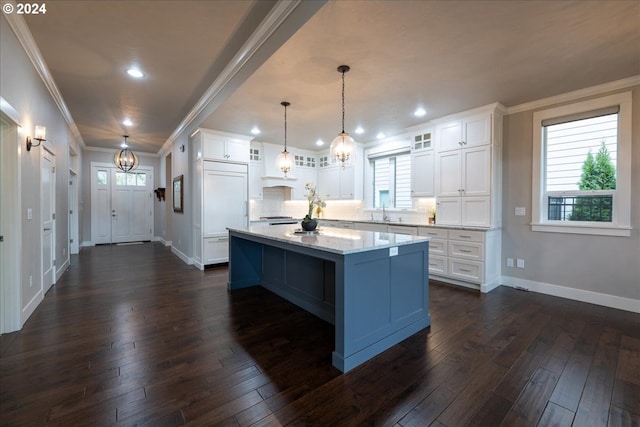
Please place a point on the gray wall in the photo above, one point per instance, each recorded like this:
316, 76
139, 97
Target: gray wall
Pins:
22, 88
602, 264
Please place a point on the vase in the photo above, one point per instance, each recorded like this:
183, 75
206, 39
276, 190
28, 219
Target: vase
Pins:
309, 225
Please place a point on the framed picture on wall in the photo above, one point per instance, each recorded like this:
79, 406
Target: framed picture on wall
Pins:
178, 193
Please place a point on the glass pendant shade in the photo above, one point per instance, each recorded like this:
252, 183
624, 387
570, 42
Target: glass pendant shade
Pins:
284, 161
343, 148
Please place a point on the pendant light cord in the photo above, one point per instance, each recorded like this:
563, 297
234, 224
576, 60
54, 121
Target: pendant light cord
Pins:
343, 101
285, 128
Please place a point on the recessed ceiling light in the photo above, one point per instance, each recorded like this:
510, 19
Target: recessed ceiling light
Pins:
380, 135
255, 130
420, 112
359, 130
319, 142
127, 122
135, 73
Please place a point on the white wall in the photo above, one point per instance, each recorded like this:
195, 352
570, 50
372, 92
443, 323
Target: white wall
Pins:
600, 269
22, 87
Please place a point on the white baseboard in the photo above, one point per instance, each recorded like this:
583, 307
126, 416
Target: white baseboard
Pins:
181, 255
86, 244
621, 303
488, 287
30, 307
63, 268
161, 240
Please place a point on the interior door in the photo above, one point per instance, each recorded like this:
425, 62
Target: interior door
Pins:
47, 197
130, 206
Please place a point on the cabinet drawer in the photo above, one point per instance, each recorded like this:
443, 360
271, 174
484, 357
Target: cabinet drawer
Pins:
437, 265
466, 235
216, 250
401, 229
441, 233
470, 271
469, 250
437, 246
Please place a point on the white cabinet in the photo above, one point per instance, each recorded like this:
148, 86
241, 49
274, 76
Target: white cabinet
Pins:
464, 257
220, 200
402, 229
471, 131
256, 171
305, 170
209, 144
336, 182
423, 173
467, 168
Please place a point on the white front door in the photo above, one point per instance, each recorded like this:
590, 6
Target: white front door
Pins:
47, 195
130, 206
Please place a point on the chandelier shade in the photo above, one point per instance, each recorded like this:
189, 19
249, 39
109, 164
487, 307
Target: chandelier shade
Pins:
343, 146
125, 159
284, 161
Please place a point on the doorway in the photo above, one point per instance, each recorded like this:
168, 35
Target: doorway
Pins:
48, 218
121, 204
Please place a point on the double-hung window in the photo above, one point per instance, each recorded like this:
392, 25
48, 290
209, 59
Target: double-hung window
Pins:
582, 167
392, 181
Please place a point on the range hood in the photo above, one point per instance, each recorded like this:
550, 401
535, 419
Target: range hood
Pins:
278, 181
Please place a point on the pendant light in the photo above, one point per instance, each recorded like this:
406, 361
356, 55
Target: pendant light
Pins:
343, 147
285, 159
125, 159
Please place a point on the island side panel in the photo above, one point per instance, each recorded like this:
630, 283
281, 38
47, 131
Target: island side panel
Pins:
245, 262
380, 301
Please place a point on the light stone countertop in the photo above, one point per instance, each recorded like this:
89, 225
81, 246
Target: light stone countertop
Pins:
337, 240
411, 224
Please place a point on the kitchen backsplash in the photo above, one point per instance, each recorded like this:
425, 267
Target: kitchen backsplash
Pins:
275, 203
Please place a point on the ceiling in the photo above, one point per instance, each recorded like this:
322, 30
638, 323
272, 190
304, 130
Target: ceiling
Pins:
445, 56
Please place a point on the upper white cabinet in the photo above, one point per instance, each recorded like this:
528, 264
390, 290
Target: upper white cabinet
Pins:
337, 182
211, 144
422, 163
471, 131
255, 170
467, 167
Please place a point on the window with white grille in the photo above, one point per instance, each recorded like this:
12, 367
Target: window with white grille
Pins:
392, 181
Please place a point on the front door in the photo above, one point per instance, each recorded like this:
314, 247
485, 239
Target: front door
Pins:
47, 179
130, 206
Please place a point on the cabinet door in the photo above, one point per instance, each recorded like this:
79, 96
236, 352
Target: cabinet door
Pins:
237, 151
347, 184
224, 202
449, 135
216, 250
213, 148
448, 211
476, 171
423, 174
477, 130
329, 183
449, 167
255, 181
476, 211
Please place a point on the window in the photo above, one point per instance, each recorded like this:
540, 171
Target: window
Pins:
582, 167
254, 154
131, 179
392, 181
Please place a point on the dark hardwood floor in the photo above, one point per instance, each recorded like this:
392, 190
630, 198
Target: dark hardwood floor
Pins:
130, 335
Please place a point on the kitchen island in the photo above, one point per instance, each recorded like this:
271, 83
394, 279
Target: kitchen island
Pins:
372, 286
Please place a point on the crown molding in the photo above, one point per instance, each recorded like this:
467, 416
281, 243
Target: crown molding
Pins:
267, 27
576, 94
24, 36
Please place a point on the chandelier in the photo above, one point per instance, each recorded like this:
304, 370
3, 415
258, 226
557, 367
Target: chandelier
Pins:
343, 147
125, 159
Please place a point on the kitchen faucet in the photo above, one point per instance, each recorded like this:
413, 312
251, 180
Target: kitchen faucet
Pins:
385, 218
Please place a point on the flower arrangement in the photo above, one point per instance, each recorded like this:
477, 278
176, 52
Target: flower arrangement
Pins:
314, 201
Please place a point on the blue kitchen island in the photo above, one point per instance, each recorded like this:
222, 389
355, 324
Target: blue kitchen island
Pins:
372, 286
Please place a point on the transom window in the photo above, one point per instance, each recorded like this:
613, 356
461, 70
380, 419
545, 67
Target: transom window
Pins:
582, 167
138, 179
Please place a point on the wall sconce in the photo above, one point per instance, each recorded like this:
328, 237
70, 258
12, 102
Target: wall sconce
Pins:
40, 135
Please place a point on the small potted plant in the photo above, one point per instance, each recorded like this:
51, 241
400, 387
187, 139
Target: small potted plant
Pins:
308, 223
432, 216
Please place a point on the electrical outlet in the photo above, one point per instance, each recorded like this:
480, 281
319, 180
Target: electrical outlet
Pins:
30, 281
393, 251
521, 211
509, 262
520, 263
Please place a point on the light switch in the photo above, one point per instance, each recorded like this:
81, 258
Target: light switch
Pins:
521, 211
29, 213
520, 263
509, 262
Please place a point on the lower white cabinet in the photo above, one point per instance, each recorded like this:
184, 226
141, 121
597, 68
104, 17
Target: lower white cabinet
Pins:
216, 250
464, 257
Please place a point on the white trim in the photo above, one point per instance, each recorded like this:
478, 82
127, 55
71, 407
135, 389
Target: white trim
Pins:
447, 279
267, 27
181, 255
9, 111
489, 286
21, 30
31, 306
575, 95
622, 203
161, 240
63, 268
87, 244
606, 300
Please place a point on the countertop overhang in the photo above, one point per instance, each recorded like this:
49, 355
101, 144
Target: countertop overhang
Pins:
336, 240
